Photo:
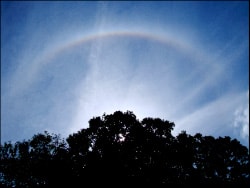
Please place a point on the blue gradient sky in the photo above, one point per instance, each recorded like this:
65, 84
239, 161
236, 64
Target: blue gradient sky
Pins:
64, 62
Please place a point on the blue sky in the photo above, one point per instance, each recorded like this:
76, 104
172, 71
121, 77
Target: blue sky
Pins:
63, 63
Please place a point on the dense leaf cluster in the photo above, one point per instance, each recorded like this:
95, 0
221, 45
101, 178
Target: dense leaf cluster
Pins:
120, 150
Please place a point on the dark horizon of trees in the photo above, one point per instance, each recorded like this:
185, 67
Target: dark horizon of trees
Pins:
120, 150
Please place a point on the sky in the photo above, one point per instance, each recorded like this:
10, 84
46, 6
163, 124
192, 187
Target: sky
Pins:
63, 63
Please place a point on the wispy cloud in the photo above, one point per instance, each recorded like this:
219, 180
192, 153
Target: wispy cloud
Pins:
210, 116
241, 119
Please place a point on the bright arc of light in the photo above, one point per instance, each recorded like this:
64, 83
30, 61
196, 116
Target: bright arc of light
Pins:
174, 43
165, 40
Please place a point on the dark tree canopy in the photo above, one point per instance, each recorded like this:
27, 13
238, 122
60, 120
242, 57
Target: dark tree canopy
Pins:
120, 150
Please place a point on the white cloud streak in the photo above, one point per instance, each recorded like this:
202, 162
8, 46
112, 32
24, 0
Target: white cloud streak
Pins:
214, 118
241, 119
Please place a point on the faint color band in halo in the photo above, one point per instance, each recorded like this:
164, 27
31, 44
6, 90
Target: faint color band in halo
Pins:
178, 45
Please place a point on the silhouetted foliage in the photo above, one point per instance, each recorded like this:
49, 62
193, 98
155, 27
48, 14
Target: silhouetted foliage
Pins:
118, 150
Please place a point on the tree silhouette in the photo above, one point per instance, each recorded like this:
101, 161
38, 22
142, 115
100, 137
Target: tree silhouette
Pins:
118, 150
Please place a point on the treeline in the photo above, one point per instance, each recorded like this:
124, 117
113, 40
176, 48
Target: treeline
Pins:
119, 150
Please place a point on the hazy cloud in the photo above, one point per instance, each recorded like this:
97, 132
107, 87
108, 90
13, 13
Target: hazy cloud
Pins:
241, 119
